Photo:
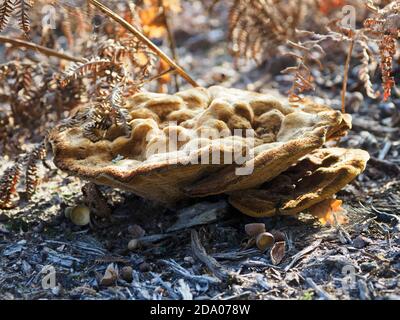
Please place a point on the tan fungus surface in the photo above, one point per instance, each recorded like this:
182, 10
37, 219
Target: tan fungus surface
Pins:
204, 121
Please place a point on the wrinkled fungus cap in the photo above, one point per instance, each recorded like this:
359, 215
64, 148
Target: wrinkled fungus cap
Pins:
313, 179
152, 162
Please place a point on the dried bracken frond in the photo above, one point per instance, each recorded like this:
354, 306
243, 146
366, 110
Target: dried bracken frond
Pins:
126, 62
364, 71
8, 185
384, 28
24, 85
81, 69
303, 80
4, 131
21, 9
31, 173
137, 60
387, 50
100, 116
6, 10
257, 24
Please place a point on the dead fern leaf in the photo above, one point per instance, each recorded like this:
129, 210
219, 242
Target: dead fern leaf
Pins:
385, 28
82, 69
104, 114
6, 10
364, 71
31, 172
21, 9
387, 50
8, 184
258, 27
303, 80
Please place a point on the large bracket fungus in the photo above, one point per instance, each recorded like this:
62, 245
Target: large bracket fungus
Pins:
203, 142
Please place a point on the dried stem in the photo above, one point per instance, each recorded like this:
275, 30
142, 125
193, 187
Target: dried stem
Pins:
144, 39
346, 75
171, 38
158, 76
33, 46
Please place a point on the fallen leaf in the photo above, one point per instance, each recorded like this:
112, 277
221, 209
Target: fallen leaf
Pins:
327, 6
152, 19
278, 252
330, 212
278, 235
165, 78
153, 22
173, 5
110, 275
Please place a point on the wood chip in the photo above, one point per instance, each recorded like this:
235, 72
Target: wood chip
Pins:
212, 264
319, 291
302, 253
277, 252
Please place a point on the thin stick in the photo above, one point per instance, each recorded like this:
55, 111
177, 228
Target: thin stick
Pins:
346, 75
144, 39
33, 46
171, 39
321, 292
213, 265
157, 76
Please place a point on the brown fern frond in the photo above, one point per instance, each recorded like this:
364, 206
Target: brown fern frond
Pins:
384, 27
364, 71
303, 79
8, 185
256, 27
6, 9
67, 31
141, 37
81, 69
22, 8
31, 173
138, 60
104, 114
387, 50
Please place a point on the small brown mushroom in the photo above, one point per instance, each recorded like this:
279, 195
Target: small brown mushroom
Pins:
264, 240
133, 244
126, 274
79, 215
254, 229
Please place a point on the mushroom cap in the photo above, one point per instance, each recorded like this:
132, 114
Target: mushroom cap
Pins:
151, 162
265, 240
313, 179
80, 215
254, 229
